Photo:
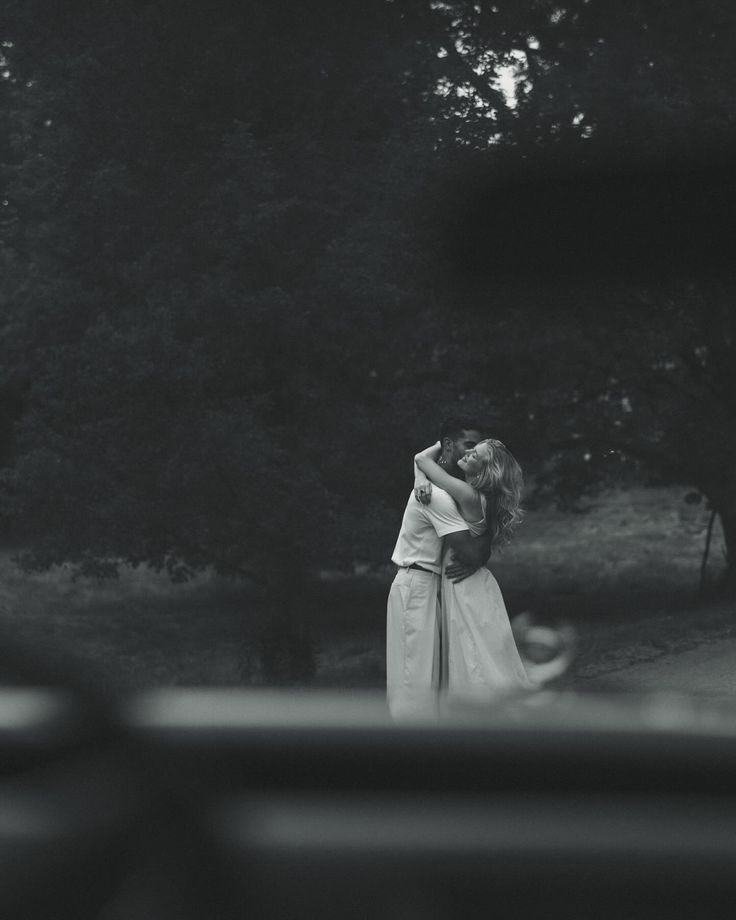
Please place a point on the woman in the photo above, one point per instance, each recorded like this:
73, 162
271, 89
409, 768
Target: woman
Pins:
479, 654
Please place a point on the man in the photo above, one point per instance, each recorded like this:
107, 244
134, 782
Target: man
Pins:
429, 525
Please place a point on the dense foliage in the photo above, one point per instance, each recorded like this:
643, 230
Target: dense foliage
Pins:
252, 253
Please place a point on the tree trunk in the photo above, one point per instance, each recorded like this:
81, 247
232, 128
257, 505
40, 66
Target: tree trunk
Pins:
728, 523
286, 654
706, 553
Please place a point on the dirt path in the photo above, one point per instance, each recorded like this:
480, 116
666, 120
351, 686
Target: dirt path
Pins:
709, 669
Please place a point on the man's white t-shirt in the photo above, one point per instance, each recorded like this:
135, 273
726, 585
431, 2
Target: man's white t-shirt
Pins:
422, 530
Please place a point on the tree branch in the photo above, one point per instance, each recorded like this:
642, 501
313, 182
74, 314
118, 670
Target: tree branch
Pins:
493, 97
446, 41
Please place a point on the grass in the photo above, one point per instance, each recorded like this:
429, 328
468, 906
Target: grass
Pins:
631, 549
625, 574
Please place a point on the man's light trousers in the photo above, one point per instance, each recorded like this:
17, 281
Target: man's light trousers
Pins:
413, 644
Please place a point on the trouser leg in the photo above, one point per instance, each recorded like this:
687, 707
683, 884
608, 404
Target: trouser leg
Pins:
412, 647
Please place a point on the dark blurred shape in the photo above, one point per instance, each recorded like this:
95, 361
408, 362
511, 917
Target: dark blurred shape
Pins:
548, 649
543, 216
220, 804
318, 806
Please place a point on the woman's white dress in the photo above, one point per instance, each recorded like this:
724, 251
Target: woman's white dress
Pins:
480, 660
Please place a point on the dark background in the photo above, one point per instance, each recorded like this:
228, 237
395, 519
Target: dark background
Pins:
252, 254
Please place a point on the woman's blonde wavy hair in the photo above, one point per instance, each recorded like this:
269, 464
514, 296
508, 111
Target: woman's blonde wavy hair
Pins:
501, 481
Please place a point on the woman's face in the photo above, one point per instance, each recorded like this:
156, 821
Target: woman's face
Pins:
474, 460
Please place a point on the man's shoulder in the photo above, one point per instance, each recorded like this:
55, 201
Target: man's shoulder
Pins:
440, 503
443, 503
441, 497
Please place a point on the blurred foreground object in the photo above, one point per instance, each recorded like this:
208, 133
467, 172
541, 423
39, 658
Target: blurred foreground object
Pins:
548, 650
226, 803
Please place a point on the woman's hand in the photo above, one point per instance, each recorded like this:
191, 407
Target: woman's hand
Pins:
422, 486
458, 571
423, 492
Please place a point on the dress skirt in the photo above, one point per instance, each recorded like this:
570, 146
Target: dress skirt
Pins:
479, 657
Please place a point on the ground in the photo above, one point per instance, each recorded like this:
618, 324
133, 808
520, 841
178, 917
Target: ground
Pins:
625, 574
705, 668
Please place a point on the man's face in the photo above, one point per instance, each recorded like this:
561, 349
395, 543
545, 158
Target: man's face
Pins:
452, 451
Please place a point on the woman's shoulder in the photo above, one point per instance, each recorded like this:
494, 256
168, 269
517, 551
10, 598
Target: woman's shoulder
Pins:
475, 505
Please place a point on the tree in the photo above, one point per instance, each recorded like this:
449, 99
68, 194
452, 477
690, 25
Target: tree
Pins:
249, 264
592, 228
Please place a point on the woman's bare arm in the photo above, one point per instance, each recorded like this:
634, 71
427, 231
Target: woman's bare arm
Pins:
422, 486
463, 493
468, 554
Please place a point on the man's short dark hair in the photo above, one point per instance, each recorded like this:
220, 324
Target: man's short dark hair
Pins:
453, 427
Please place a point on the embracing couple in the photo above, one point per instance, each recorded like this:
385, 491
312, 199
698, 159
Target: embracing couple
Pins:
448, 637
